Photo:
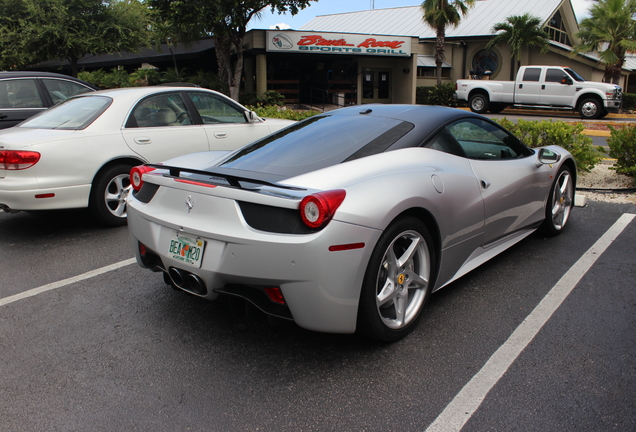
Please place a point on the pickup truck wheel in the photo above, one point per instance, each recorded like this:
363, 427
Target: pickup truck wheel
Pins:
590, 109
478, 103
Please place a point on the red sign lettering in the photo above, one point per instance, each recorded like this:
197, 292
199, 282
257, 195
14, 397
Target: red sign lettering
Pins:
372, 43
319, 40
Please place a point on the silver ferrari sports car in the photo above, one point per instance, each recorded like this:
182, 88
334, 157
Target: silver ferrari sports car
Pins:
347, 221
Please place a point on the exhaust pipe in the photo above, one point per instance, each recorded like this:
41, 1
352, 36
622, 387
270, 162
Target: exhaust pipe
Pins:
187, 281
195, 284
177, 277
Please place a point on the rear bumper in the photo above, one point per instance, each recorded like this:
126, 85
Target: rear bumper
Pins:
44, 199
321, 287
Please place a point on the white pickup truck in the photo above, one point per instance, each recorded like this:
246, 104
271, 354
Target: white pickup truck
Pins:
553, 87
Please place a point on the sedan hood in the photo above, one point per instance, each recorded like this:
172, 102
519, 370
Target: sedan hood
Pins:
17, 138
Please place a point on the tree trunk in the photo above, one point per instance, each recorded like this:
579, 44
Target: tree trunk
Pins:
235, 82
230, 71
612, 74
223, 58
439, 53
74, 67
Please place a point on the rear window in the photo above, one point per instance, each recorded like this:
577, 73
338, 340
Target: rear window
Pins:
532, 74
75, 113
316, 143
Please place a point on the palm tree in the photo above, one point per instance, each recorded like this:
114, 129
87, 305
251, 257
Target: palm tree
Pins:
519, 31
440, 14
610, 31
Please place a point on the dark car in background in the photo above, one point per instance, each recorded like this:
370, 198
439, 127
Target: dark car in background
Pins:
24, 94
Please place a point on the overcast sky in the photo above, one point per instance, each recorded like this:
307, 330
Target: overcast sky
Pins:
328, 7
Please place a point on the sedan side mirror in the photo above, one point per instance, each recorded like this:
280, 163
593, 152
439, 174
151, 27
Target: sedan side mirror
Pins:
251, 117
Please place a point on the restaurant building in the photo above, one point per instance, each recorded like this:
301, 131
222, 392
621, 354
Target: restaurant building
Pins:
382, 56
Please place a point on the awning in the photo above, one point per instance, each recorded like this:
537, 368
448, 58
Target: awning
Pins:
429, 61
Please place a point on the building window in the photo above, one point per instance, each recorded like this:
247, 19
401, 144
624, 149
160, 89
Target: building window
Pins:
485, 60
556, 30
430, 72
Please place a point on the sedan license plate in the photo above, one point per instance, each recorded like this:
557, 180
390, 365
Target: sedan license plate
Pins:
186, 249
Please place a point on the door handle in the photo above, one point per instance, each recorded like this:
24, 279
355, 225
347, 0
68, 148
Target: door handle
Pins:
143, 140
220, 135
543, 87
3, 116
485, 184
520, 85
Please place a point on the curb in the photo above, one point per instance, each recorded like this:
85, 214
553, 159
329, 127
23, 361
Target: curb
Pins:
597, 133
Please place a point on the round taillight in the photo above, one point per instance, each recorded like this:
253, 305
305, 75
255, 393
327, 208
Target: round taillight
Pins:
18, 159
316, 210
136, 176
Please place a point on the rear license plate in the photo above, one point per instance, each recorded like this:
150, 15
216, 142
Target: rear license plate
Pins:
186, 249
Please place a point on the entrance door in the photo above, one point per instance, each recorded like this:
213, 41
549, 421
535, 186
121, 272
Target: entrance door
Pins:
376, 86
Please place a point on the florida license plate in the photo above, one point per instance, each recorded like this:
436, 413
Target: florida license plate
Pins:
186, 249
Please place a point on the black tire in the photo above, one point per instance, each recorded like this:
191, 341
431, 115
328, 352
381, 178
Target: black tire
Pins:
479, 103
604, 113
496, 108
389, 284
108, 195
590, 109
560, 203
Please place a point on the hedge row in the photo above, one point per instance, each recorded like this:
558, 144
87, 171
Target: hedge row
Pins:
438, 95
629, 101
622, 144
567, 135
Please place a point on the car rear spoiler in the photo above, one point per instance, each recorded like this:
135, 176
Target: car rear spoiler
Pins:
228, 175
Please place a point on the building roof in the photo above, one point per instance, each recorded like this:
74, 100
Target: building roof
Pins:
145, 54
630, 62
408, 21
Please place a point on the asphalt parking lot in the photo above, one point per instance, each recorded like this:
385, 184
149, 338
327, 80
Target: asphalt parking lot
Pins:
117, 349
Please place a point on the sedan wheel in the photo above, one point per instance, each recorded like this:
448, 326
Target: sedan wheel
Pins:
560, 202
397, 281
109, 193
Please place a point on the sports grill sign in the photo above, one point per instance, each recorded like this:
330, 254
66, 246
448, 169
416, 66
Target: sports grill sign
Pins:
338, 43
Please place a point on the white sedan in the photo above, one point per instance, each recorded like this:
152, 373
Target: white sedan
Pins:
79, 154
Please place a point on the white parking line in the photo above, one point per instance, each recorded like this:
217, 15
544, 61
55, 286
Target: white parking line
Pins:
62, 283
468, 400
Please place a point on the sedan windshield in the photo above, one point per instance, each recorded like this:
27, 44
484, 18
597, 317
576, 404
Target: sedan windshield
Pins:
73, 114
316, 143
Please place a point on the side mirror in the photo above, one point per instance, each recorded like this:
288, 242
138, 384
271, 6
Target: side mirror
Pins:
251, 117
566, 81
547, 156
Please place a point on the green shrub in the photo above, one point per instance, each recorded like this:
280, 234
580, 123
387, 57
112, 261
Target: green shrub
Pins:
622, 144
437, 95
144, 77
208, 80
422, 95
629, 101
95, 77
276, 112
269, 98
567, 135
